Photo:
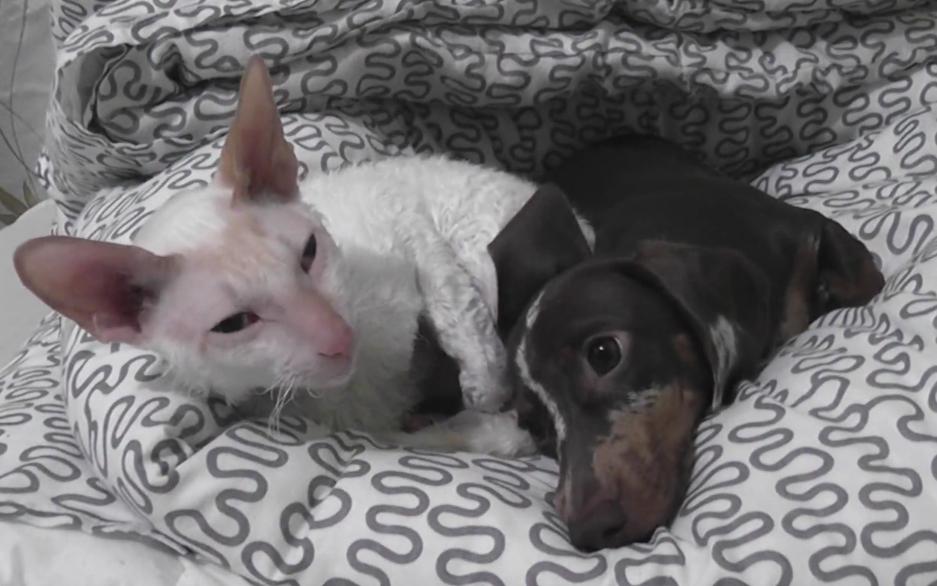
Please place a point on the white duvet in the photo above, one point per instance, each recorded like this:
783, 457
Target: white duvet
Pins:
822, 471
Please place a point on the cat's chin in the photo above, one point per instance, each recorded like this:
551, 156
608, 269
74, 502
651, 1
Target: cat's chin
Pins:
328, 376
333, 383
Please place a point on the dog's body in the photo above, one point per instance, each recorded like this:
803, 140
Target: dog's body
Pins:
618, 352
671, 197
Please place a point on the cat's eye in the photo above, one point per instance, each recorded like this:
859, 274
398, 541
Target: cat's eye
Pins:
603, 353
309, 253
236, 322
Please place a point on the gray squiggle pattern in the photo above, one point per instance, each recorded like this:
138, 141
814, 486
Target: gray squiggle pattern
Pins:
823, 471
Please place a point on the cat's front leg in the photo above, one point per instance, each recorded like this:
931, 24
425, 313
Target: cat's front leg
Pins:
464, 324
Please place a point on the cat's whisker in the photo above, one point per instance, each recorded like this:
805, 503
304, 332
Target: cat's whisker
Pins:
277, 389
284, 387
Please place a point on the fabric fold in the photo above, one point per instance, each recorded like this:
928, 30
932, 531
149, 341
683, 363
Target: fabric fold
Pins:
826, 104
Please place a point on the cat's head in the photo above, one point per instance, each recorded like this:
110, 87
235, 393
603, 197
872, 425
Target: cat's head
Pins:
238, 284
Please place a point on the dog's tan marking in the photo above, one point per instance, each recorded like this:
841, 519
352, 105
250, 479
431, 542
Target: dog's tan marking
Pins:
686, 350
643, 462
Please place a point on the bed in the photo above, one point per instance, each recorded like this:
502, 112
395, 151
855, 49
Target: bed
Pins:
823, 471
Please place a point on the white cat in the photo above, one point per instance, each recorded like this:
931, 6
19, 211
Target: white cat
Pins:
312, 289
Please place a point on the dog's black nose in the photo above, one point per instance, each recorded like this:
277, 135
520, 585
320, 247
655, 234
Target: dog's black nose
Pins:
603, 526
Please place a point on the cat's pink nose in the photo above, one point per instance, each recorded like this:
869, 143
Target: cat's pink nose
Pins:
339, 343
316, 322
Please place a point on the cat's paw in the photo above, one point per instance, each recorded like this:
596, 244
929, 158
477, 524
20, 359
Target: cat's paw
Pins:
497, 434
486, 392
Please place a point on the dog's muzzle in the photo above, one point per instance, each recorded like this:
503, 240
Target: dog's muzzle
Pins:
618, 488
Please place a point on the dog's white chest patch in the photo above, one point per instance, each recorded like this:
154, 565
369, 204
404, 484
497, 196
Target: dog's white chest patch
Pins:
523, 369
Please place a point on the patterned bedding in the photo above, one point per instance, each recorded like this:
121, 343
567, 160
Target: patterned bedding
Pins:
824, 469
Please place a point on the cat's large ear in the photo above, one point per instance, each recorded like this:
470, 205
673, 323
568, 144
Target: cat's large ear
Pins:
542, 240
257, 162
101, 286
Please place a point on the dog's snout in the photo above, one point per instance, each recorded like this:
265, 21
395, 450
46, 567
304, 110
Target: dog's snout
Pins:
601, 525
606, 522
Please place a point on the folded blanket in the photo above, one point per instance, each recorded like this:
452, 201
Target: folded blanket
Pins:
820, 472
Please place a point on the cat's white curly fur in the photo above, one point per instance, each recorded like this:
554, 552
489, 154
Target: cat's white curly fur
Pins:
412, 235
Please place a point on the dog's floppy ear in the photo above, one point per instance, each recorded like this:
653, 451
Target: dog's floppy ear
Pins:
724, 296
846, 272
542, 240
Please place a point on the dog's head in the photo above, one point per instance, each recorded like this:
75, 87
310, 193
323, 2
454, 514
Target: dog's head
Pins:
616, 360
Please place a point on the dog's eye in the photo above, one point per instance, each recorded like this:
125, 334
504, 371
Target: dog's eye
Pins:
309, 253
236, 322
603, 354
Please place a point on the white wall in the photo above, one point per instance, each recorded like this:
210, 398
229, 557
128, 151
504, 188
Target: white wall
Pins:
26, 67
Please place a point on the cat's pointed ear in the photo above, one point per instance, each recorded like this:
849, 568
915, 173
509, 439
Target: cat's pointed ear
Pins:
101, 286
256, 161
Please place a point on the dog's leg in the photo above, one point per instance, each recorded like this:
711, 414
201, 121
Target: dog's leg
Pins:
496, 434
